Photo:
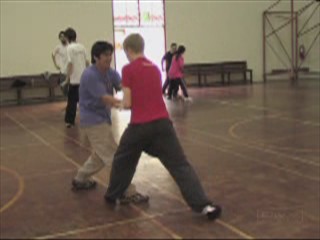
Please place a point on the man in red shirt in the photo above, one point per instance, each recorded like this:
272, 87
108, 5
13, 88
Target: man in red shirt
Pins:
150, 130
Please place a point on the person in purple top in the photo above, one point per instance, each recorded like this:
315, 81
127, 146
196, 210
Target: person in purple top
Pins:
97, 86
167, 58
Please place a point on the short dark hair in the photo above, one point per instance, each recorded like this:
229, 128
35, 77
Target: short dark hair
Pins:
61, 33
180, 51
71, 34
100, 47
174, 44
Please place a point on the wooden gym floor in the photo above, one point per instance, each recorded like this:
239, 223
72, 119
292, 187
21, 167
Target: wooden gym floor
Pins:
255, 148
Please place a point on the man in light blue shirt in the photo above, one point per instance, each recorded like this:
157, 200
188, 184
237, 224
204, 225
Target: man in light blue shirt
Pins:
97, 86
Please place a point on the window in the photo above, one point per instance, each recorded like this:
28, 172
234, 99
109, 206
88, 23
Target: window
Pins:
137, 13
126, 13
151, 13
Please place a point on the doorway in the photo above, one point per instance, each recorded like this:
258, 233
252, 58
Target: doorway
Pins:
145, 18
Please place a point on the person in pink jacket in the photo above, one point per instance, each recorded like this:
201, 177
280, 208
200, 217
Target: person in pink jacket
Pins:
176, 75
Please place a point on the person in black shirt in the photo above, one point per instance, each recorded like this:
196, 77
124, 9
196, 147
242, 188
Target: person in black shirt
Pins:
167, 58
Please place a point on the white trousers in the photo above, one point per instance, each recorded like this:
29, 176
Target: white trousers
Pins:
103, 148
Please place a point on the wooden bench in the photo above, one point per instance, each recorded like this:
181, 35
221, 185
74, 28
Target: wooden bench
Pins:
16, 86
202, 70
237, 67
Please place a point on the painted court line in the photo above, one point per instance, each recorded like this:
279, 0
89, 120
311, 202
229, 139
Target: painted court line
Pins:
243, 143
15, 147
280, 112
233, 134
18, 193
164, 228
219, 221
228, 226
58, 172
251, 159
109, 225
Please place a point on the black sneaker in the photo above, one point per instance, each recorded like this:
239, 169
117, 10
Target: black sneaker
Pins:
135, 198
212, 211
87, 185
110, 200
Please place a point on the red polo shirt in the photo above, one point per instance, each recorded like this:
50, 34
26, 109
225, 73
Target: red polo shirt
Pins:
144, 80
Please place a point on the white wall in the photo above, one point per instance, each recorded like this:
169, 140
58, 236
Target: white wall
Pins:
29, 31
216, 31
228, 30
313, 60
211, 30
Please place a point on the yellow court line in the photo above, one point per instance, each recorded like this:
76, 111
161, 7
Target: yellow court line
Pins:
219, 221
173, 235
108, 225
256, 146
57, 172
233, 134
164, 228
232, 228
18, 193
277, 139
247, 158
294, 158
13, 147
279, 112
310, 123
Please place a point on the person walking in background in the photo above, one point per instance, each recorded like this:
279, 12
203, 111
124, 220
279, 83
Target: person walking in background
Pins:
77, 62
176, 75
167, 58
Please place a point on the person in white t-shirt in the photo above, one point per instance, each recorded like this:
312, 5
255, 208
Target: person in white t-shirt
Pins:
60, 61
59, 54
77, 62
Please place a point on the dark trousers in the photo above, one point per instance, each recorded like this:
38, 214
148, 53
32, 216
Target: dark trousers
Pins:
73, 99
166, 82
165, 85
174, 87
158, 139
65, 87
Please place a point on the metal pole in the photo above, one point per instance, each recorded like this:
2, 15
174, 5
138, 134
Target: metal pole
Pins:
264, 46
165, 25
297, 47
114, 37
303, 9
305, 24
308, 30
292, 76
281, 43
277, 55
273, 5
279, 28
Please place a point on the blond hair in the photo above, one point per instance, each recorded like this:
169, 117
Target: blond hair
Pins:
134, 42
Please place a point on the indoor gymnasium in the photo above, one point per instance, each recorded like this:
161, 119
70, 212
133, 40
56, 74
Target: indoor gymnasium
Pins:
160, 119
